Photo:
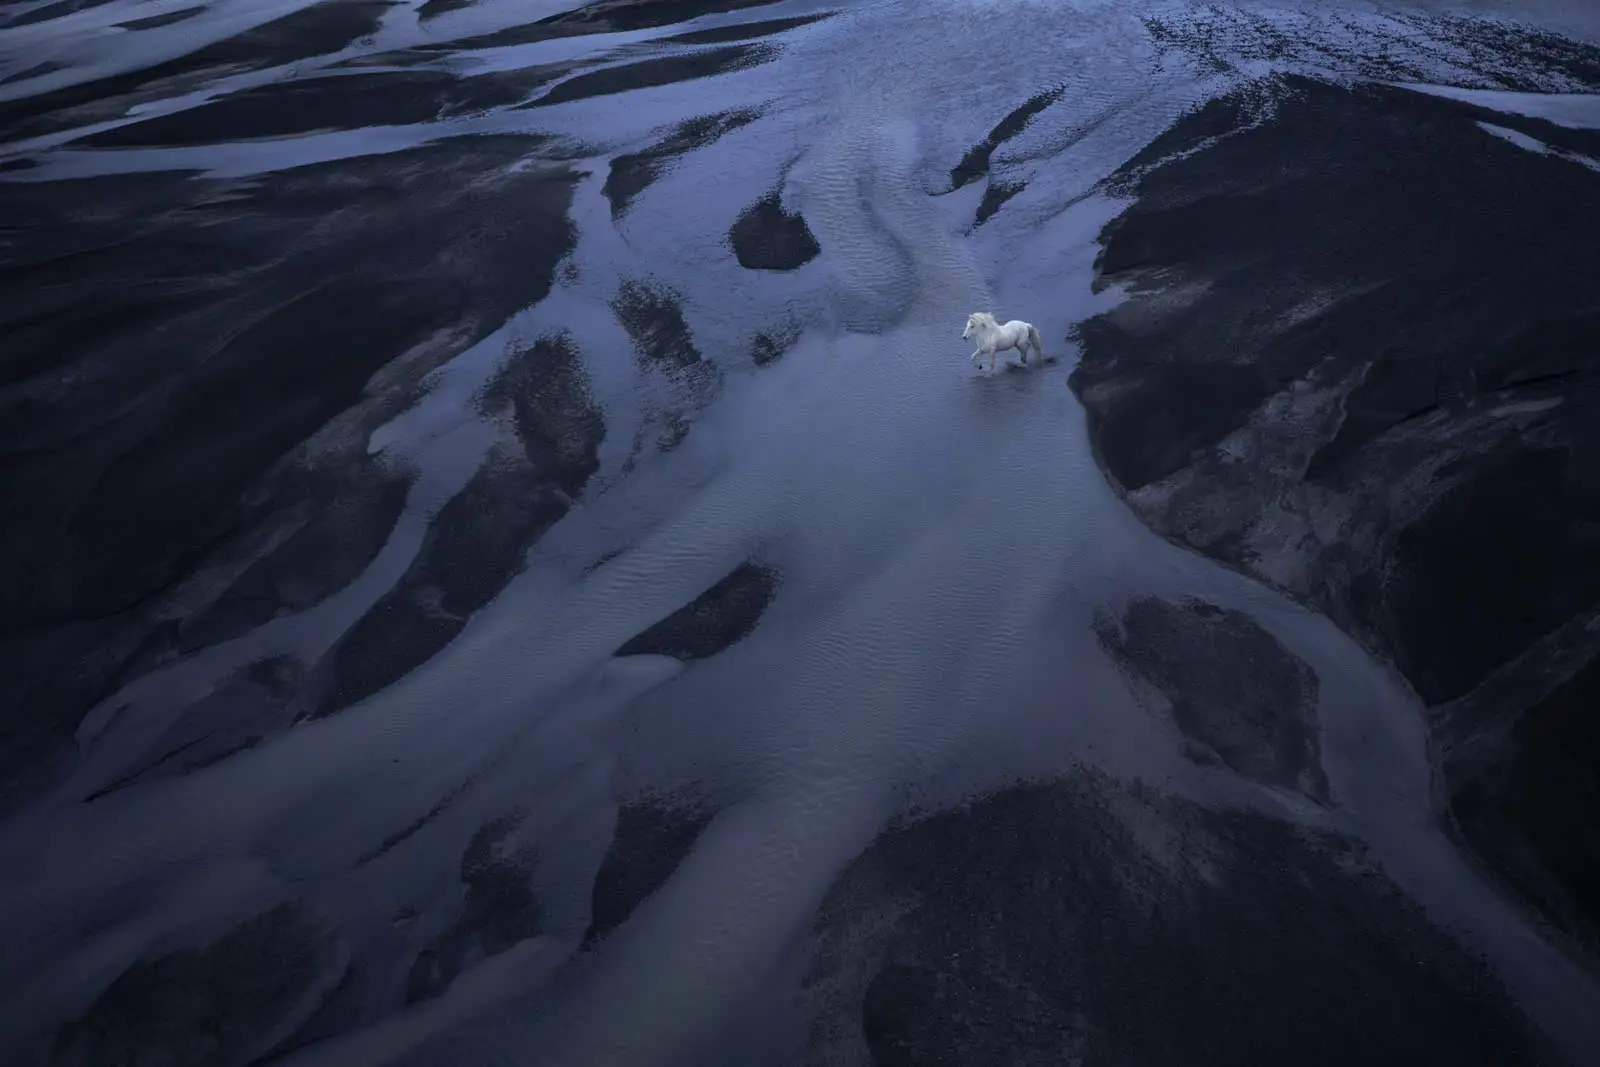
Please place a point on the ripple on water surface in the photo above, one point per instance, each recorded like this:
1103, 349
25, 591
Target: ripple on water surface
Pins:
609, 612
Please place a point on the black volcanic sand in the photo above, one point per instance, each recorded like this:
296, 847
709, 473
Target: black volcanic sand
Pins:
975, 163
744, 31
766, 237
1507, 54
1394, 415
1097, 924
603, 16
234, 1000
168, 502
343, 101
721, 616
169, 18
769, 347
1111, 924
432, 9
1236, 696
48, 12
648, 73
498, 909
634, 172
350, 98
231, 345
283, 979
679, 381
312, 31
652, 838
477, 542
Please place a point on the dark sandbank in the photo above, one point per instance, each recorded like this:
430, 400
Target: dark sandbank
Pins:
235, 1000
1105, 924
721, 616
498, 909
170, 18
633, 173
679, 381
48, 12
479, 539
345, 101
604, 16
745, 31
1237, 696
766, 237
975, 163
1394, 415
183, 442
652, 838
648, 73
312, 31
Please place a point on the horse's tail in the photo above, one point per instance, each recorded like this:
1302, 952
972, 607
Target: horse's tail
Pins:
1035, 342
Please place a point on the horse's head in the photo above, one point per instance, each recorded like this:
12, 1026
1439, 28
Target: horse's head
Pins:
972, 324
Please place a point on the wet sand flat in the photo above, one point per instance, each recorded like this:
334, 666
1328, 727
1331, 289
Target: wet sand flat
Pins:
507, 560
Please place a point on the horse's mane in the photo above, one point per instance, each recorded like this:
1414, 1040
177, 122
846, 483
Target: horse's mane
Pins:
984, 318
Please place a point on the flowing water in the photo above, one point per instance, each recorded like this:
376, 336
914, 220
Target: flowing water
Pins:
944, 538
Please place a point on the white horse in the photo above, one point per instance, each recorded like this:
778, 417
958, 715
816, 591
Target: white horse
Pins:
992, 337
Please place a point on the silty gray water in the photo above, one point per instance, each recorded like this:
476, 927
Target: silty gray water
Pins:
945, 543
